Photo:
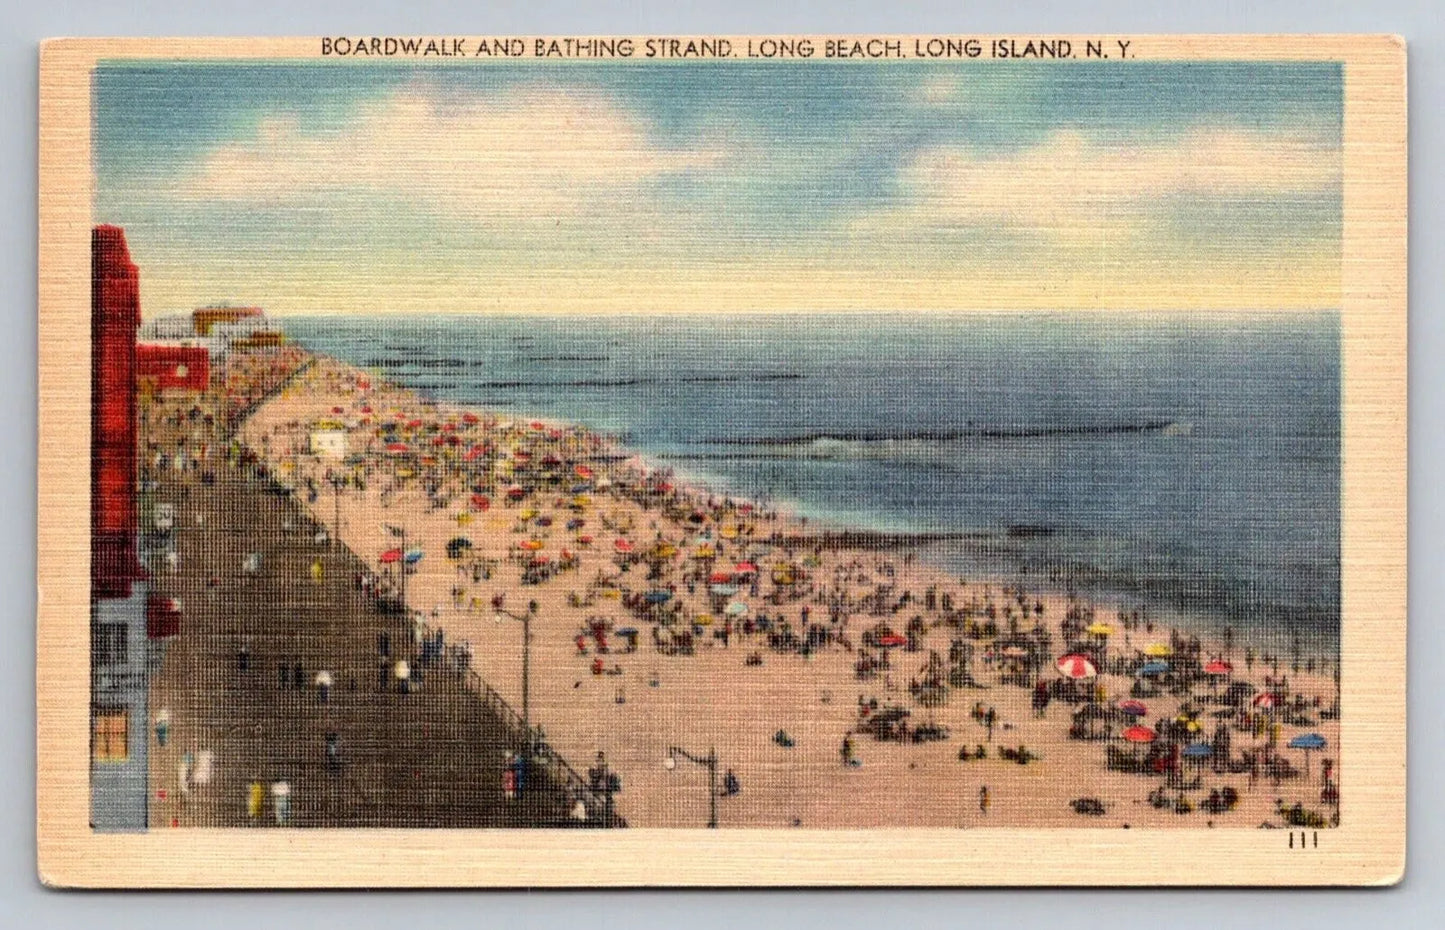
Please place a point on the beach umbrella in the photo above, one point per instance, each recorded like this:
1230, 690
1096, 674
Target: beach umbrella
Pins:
626, 631
397, 447
1152, 668
1158, 651
1197, 751
458, 545
390, 555
1099, 629
1218, 667
1264, 701
582, 471
532, 545
576, 523
413, 556
1134, 708
471, 419
481, 502
1309, 742
1076, 667
704, 552
893, 639
1016, 652
584, 540
745, 568
622, 545
703, 620
724, 590
1139, 734
736, 609
658, 597
720, 578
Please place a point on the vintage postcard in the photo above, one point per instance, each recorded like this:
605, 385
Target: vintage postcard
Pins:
726, 460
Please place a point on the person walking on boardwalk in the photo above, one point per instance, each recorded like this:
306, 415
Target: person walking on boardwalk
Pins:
255, 798
983, 800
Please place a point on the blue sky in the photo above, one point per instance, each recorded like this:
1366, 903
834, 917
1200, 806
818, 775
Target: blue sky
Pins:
724, 185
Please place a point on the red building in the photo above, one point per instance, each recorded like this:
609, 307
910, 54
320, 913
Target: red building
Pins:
114, 318
169, 368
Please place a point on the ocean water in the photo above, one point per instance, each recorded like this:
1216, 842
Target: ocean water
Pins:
1188, 465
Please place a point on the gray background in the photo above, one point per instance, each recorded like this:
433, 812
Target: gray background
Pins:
23, 902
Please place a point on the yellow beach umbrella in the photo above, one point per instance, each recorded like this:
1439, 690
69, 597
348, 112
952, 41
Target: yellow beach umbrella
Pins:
704, 552
704, 620
533, 545
1157, 651
1099, 629
528, 513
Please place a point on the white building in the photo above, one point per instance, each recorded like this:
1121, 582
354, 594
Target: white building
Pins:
328, 443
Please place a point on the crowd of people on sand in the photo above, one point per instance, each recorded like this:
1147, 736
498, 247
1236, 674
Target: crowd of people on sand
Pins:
651, 564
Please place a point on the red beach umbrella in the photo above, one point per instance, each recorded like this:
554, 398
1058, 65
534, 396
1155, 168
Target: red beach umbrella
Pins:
1138, 734
397, 447
893, 639
391, 555
413, 424
538, 425
337, 410
481, 502
471, 419
516, 491
583, 472
719, 578
745, 568
1076, 667
1264, 700
1218, 667
622, 545
584, 540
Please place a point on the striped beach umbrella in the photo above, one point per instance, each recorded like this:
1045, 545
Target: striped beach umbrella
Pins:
1076, 667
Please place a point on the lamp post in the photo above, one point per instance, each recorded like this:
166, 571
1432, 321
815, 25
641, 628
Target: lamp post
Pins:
526, 621
336, 482
708, 762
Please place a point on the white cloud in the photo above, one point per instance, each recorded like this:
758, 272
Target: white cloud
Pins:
1068, 179
519, 153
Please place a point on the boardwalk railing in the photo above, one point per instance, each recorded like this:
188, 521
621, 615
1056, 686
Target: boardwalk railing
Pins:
564, 777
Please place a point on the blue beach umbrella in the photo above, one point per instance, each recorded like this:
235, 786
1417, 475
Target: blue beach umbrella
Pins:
1152, 668
413, 556
1308, 742
1197, 751
658, 597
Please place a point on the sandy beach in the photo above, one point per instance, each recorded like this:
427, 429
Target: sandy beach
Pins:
838, 685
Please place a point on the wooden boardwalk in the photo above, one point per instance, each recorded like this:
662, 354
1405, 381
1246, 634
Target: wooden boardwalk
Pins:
434, 757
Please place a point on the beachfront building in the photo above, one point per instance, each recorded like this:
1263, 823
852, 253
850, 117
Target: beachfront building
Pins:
120, 725
171, 367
